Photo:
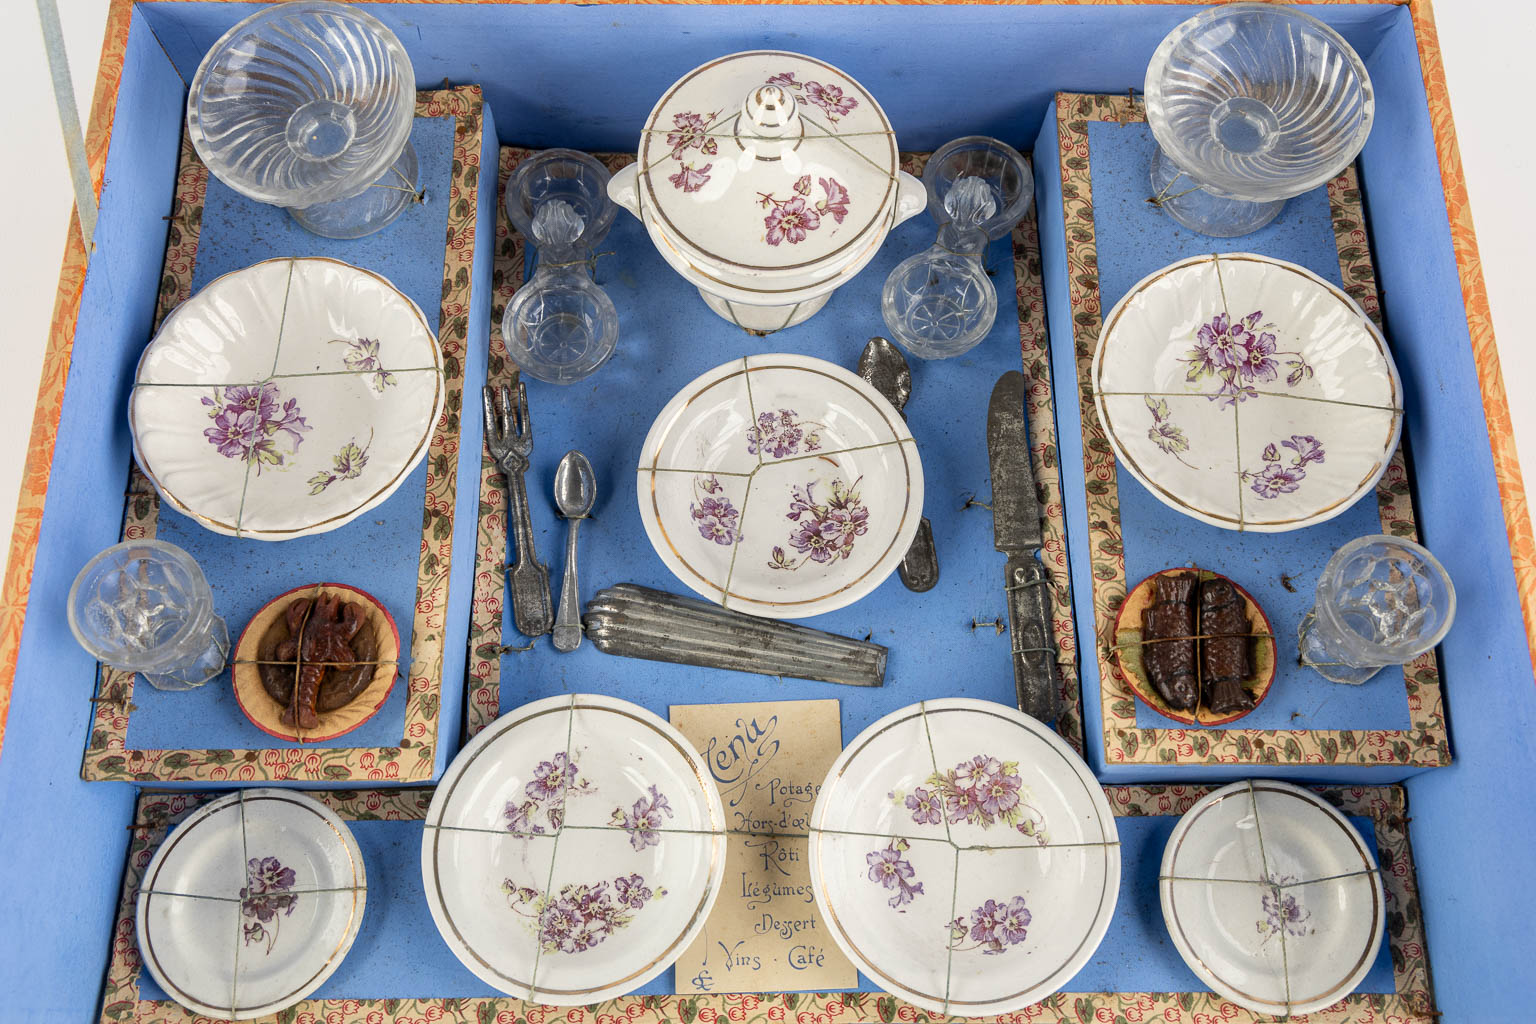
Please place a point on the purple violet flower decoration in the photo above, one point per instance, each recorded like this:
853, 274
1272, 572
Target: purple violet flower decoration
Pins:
644, 819
993, 927
925, 808
247, 420
894, 871
713, 514
266, 895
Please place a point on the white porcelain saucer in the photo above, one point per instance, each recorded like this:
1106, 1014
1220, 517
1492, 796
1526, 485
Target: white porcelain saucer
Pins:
780, 485
1247, 392
573, 850
286, 399
964, 857
251, 903
1272, 898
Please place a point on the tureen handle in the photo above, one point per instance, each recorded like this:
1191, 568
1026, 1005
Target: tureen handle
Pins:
624, 188
911, 196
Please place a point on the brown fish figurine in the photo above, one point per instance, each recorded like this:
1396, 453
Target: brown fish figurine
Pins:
1226, 659
1168, 650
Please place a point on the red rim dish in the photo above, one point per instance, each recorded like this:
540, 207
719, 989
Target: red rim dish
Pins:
1143, 688
383, 697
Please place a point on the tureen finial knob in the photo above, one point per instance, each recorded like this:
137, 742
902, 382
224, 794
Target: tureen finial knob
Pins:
770, 112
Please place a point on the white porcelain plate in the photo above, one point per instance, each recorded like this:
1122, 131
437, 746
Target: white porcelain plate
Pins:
286, 399
780, 485
1247, 392
251, 903
573, 849
1272, 898
964, 857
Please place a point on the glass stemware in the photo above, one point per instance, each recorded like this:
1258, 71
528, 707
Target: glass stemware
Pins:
309, 106
145, 606
1381, 601
1251, 104
941, 302
560, 326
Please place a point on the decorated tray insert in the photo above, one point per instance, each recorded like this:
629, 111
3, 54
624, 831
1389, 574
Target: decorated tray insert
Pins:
1115, 239
667, 340
397, 953
402, 523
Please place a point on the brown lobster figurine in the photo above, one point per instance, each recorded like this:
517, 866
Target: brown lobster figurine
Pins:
320, 636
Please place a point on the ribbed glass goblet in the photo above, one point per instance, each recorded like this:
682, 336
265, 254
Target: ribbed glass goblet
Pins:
1251, 104
309, 106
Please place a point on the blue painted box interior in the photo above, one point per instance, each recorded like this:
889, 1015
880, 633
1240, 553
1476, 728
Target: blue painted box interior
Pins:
585, 76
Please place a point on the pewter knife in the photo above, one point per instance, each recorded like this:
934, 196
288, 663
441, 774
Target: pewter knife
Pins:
1016, 532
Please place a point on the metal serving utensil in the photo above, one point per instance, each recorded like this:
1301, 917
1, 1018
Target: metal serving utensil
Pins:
886, 370
575, 494
509, 438
638, 622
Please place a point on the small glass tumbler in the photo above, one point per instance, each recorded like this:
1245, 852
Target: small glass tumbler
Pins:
144, 606
1381, 601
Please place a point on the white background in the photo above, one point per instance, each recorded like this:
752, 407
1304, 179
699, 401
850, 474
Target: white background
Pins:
1486, 47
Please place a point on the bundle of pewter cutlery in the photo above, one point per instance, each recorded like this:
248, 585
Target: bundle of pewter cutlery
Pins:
638, 622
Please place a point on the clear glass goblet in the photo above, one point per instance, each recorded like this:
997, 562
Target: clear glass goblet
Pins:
1381, 601
144, 606
1251, 104
941, 302
309, 106
560, 326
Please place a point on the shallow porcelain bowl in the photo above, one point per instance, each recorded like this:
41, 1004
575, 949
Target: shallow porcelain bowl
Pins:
639, 830
780, 485
964, 857
251, 903
286, 399
1247, 392
1272, 898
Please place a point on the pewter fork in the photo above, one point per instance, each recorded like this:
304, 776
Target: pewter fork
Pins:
509, 438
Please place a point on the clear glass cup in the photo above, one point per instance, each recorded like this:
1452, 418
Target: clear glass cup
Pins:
1381, 601
144, 606
940, 303
309, 106
1251, 104
560, 326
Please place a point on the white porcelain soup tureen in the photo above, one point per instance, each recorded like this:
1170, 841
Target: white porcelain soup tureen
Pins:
767, 179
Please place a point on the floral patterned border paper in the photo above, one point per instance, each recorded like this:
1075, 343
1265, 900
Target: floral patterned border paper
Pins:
107, 755
1386, 806
1426, 742
486, 646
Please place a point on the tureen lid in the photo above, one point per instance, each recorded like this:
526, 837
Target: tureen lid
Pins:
768, 161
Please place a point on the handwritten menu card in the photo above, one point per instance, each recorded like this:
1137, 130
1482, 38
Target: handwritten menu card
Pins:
765, 933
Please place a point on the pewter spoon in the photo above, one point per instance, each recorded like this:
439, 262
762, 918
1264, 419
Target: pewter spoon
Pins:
575, 493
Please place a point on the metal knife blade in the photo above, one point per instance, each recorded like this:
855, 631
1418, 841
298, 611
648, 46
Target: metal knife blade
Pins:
1015, 507
886, 370
1016, 531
